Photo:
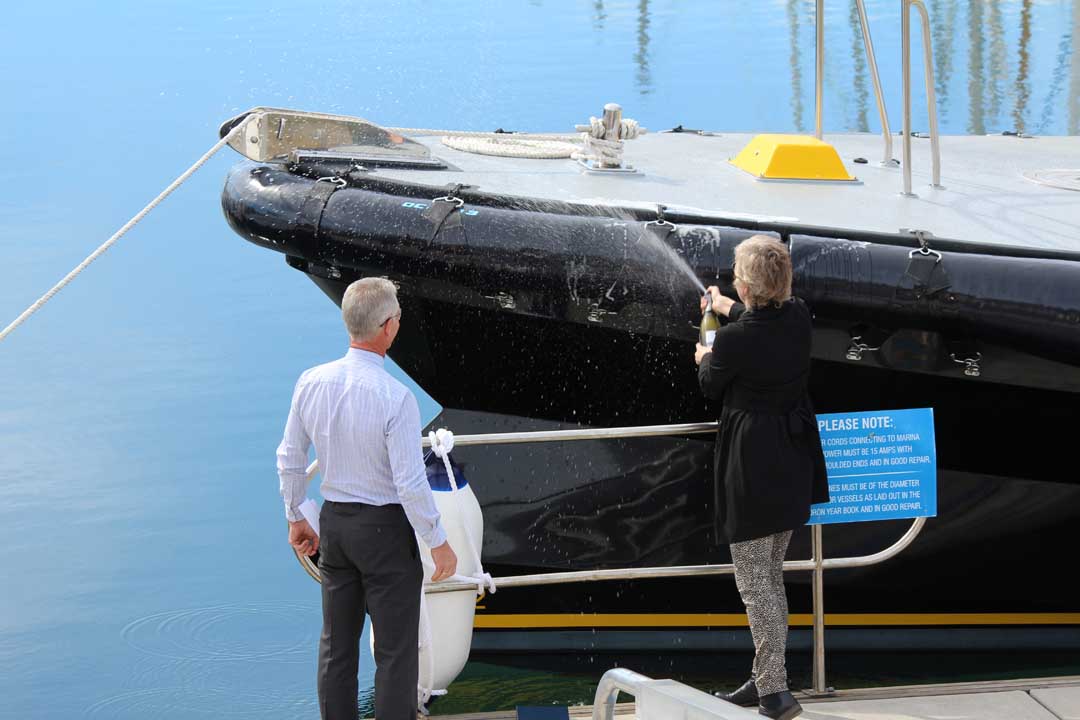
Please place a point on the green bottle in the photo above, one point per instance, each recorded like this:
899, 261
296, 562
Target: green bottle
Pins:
709, 323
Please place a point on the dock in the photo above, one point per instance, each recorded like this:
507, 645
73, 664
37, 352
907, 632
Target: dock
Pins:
1028, 699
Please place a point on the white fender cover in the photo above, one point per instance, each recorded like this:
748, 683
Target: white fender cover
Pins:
446, 619
451, 614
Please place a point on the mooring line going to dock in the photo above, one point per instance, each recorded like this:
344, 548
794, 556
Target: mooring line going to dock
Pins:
122, 231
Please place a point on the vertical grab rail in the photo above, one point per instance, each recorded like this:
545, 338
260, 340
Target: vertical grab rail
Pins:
871, 60
887, 159
931, 100
819, 611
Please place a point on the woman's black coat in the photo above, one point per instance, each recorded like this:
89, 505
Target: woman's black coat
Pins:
769, 466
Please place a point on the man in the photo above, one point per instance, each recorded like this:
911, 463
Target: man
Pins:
366, 429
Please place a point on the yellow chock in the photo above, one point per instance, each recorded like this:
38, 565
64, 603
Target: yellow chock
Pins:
791, 157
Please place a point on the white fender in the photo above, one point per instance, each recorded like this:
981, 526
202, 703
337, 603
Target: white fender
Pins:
446, 619
449, 636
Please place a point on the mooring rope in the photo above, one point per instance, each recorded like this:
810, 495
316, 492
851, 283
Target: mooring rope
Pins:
512, 146
605, 148
596, 143
478, 133
120, 233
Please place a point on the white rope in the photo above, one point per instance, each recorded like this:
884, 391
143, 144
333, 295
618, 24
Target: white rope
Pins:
530, 148
475, 133
120, 233
596, 144
442, 442
628, 129
600, 148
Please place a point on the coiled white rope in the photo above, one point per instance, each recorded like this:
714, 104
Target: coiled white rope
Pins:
120, 233
511, 146
602, 148
597, 145
481, 134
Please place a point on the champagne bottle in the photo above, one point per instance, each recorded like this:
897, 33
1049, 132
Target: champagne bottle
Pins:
709, 323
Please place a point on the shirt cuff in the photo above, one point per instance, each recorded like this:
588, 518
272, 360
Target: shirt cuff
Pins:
437, 537
293, 514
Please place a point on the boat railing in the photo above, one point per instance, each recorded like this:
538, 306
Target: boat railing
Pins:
871, 59
817, 564
931, 101
887, 159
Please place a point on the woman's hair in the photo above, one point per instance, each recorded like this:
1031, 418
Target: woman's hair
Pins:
366, 305
763, 265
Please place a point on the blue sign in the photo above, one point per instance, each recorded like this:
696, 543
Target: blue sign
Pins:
881, 466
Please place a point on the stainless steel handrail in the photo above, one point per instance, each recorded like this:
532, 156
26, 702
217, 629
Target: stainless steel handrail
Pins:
928, 72
871, 59
931, 100
636, 431
607, 690
653, 573
633, 431
818, 582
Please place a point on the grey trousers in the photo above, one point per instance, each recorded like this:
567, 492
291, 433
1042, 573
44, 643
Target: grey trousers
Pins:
369, 560
759, 575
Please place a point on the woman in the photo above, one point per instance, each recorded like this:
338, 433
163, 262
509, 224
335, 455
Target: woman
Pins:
768, 460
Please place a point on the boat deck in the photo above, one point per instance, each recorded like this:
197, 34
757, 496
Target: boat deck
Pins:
1038, 699
985, 195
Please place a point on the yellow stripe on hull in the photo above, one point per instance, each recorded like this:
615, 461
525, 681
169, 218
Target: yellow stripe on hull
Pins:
568, 620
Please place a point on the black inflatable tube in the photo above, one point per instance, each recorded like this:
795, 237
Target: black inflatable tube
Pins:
374, 183
1029, 300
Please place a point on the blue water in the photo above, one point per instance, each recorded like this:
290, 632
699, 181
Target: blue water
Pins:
147, 573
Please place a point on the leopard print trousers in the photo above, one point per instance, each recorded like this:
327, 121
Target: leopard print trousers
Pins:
759, 575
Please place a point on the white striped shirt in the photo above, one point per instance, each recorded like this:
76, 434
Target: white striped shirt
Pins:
366, 428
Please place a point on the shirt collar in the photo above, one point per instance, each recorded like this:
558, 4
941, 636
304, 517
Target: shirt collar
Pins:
365, 356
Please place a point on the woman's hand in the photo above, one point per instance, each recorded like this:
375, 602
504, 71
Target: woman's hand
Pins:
721, 304
700, 353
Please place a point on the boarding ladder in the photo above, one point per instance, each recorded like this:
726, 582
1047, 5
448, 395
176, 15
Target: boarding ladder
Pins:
871, 59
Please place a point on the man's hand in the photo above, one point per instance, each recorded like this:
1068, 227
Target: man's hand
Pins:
303, 538
445, 562
721, 304
701, 352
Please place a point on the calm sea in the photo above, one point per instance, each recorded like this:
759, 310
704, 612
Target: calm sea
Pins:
147, 572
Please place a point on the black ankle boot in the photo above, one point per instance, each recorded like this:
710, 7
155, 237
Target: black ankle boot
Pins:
745, 696
779, 706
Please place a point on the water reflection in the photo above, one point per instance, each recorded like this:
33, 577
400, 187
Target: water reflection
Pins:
1057, 83
796, 70
942, 24
1023, 86
997, 51
992, 85
641, 57
976, 112
858, 56
1074, 75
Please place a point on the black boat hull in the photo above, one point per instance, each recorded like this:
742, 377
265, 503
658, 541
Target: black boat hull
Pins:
529, 315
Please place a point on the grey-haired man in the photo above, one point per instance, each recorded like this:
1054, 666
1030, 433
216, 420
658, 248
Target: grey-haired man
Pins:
366, 429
